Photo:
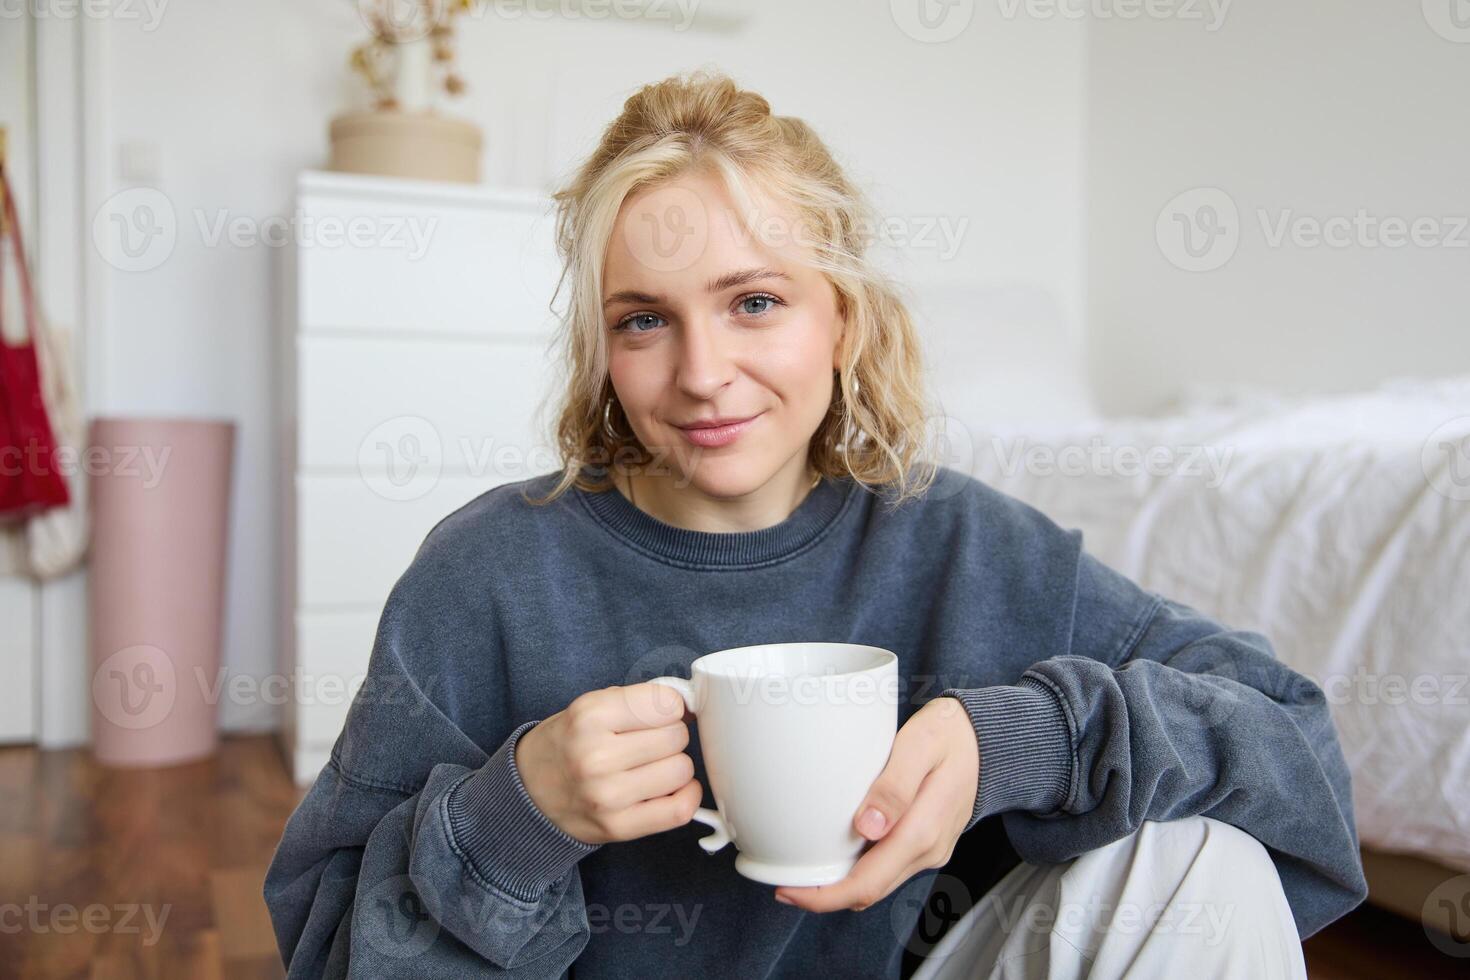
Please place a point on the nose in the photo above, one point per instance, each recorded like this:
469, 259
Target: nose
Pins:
705, 365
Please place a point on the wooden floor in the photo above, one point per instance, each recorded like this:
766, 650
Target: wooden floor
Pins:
98, 860
98, 857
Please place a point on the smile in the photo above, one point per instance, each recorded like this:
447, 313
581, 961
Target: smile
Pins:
713, 436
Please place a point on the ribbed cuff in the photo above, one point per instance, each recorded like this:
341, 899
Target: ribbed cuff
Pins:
1025, 747
509, 841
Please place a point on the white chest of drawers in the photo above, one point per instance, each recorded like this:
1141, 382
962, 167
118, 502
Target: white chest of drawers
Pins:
413, 366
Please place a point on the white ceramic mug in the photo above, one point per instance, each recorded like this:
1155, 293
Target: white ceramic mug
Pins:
793, 736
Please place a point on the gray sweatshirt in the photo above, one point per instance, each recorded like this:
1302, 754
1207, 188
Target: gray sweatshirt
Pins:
1096, 705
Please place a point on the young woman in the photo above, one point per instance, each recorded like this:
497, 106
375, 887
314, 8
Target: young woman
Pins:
742, 431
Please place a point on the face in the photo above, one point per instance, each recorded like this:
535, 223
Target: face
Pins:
706, 320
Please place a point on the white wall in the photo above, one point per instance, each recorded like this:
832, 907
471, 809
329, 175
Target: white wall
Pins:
1314, 108
981, 134
1050, 144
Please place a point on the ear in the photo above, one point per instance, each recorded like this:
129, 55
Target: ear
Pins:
842, 329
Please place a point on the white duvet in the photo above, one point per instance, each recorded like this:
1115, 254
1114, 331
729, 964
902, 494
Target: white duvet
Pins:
1338, 527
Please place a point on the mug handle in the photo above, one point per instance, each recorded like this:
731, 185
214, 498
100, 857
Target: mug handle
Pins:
704, 815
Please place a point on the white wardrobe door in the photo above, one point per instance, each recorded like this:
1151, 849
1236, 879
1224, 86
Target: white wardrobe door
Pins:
418, 267
461, 407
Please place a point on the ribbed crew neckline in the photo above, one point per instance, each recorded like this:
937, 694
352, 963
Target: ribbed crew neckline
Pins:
721, 549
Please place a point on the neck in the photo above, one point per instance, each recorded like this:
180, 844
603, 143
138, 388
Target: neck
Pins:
687, 506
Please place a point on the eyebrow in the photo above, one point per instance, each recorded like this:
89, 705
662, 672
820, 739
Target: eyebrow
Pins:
717, 285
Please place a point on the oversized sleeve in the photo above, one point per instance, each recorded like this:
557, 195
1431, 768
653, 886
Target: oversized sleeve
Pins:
1154, 711
416, 852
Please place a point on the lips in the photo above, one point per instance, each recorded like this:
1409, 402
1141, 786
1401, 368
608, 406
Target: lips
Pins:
717, 422
717, 432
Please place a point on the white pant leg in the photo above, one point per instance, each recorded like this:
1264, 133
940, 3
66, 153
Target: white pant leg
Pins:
1192, 897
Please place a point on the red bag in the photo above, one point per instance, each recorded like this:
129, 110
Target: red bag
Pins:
29, 479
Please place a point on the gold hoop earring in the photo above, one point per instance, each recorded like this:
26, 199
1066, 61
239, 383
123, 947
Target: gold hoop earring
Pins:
607, 420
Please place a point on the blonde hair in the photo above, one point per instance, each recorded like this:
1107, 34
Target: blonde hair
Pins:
875, 429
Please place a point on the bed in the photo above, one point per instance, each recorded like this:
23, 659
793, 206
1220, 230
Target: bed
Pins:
1338, 526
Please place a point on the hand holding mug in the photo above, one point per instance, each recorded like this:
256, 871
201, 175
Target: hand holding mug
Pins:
793, 736
611, 766
920, 804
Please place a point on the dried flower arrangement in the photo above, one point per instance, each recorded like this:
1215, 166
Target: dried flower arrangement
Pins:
396, 24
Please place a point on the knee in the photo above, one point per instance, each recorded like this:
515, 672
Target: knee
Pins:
1188, 897
1220, 845
1198, 876
1191, 837
1176, 848
1236, 845
1197, 849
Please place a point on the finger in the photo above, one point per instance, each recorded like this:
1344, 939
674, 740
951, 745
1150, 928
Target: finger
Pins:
882, 867
636, 748
658, 814
634, 707
650, 781
872, 878
912, 757
650, 705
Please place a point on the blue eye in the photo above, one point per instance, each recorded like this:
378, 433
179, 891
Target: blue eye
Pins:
637, 322
627, 322
758, 298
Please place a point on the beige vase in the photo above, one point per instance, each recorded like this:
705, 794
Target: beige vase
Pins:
422, 145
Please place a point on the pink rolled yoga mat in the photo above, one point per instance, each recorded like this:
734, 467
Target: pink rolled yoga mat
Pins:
160, 499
